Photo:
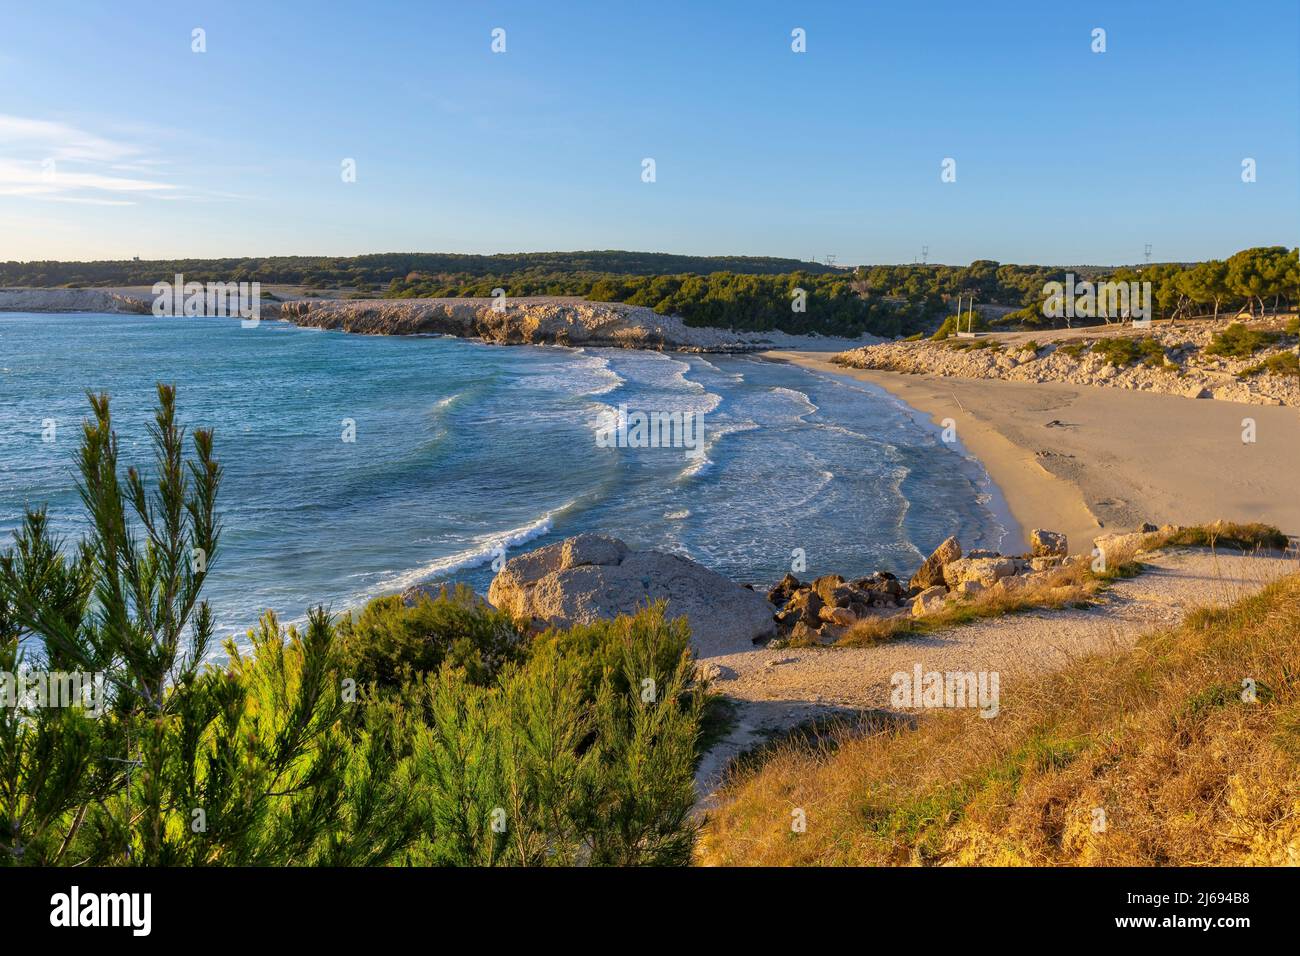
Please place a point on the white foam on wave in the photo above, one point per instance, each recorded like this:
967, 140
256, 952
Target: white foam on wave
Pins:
841, 430
713, 434
665, 378
669, 390
483, 550
736, 377
799, 397
606, 378
582, 374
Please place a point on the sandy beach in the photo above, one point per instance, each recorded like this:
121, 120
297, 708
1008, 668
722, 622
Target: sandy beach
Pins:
1084, 460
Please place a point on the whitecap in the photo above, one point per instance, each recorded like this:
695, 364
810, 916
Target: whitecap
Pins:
483, 550
799, 397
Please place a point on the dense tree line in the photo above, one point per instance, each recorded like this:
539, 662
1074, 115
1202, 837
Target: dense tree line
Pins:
1261, 278
992, 283
378, 270
731, 292
796, 303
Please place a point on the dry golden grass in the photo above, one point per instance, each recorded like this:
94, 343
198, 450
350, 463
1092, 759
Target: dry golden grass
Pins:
1158, 738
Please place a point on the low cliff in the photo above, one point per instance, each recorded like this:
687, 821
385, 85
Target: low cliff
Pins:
71, 300
539, 320
536, 320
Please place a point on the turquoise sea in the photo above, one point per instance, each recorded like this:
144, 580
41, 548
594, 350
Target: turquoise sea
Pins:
463, 449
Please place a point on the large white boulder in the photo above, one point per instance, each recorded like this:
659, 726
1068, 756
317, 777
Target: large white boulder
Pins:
986, 571
592, 576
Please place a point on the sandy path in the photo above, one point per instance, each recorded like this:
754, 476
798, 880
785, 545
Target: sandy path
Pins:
810, 682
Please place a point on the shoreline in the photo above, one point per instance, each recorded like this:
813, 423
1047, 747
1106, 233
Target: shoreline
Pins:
1078, 459
525, 320
1087, 461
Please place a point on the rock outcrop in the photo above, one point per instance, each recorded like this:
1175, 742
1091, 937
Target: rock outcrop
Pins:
591, 577
985, 571
822, 611
71, 300
826, 609
1190, 368
1043, 544
929, 601
931, 572
526, 320
530, 320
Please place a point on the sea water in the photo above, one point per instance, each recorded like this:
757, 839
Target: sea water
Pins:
460, 451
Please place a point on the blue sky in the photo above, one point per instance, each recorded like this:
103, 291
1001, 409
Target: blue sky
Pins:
1063, 155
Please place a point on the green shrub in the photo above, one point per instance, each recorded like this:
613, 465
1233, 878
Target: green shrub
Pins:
1073, 349
830, 305
975, 323
1283, 363
257, 763
569, 758
1031, 316
1123, 352
386, 641
1237, 341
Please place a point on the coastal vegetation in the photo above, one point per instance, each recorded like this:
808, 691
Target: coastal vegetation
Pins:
1263, 278
736, 292
797, 303
1238, 341
436, 733
457, 274
1122, 352
1116, 760
1283, 363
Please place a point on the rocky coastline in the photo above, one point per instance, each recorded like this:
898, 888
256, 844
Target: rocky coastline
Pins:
536, 320
1182, 366
592, 576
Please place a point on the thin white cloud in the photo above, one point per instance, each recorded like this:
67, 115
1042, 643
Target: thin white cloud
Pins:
86, 201
61, 141
49, 160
